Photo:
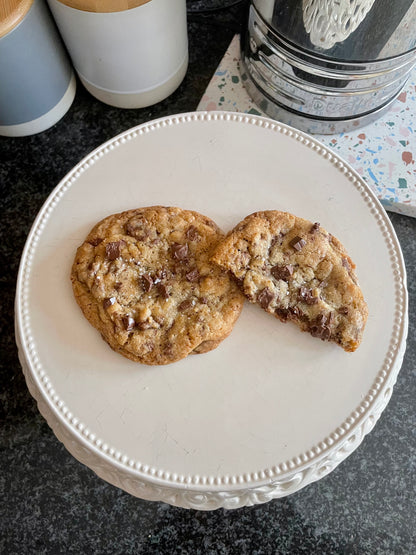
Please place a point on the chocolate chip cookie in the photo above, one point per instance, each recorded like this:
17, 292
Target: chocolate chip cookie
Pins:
298, 272
144, 279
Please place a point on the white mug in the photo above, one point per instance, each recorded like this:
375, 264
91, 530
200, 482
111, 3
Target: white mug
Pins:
129, 54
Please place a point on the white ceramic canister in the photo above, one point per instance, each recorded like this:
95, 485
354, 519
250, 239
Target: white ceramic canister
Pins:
127, 53
37, 84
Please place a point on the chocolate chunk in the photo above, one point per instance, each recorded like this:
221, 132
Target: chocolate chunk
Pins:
322, 332
128, 322
320, 320
147, 282
204, 300
315, 227
295, 313
117, 285
343, 310
113, 250
326, 333
180, 252
265, 297
192, 233
163, 291
305, 295
331, 318
138, 227
282, 272
297, 243
320, 327
282, 313
184, 305
108, 302
95, 242
193, 275
238, 281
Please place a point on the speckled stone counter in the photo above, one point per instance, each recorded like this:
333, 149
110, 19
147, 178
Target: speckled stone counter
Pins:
53, 504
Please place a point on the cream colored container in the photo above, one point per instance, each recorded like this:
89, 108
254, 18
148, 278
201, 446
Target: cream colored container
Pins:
129, 54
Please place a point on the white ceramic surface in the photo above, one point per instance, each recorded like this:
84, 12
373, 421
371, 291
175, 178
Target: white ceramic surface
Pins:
271, 409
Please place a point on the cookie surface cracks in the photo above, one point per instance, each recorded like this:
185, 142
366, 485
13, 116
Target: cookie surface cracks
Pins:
297, 271
144, 279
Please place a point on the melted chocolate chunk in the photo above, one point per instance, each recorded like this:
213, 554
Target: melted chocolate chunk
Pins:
265, 297
184, 305
283, 313
95, 242
137, 227
192, 276
297, 243
113, 250
128, 322
180, 252
147, 282
295, 313
305, 295
238, 281
163, 291
319, 327
343, 310
320, 320
192, 233
108, 302
322, 332
315, 227
282, 272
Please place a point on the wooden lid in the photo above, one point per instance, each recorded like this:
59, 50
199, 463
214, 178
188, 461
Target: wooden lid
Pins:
11, 14
103, 6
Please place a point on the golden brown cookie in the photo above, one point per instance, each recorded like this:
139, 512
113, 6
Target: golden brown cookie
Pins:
144, 279
297, 271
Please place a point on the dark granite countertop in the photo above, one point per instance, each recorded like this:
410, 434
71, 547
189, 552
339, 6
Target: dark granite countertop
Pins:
50, 503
